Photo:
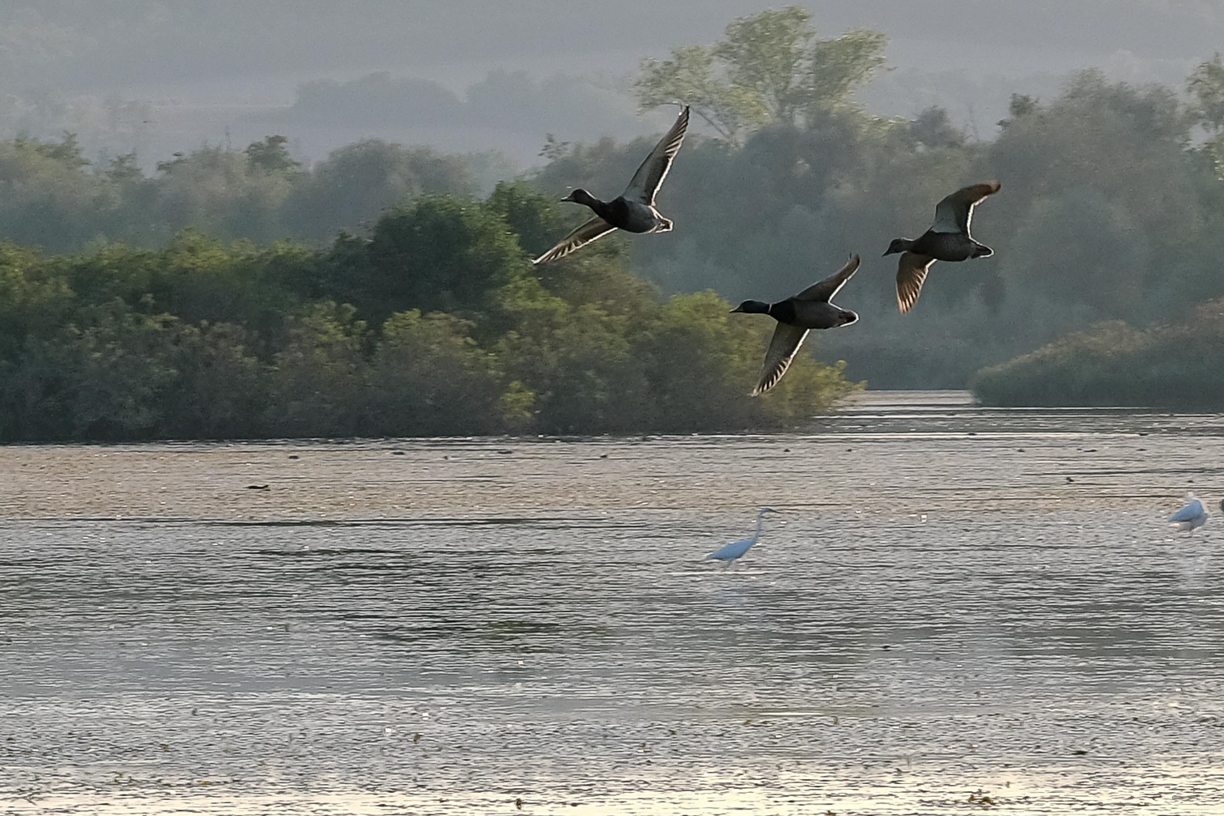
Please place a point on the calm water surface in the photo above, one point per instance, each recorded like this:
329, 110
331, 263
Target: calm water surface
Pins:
959, 610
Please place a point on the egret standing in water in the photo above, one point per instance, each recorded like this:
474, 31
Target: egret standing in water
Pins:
1191, 516
733, 551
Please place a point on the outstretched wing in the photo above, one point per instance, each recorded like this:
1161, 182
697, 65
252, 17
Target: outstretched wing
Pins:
649, 177
786, 341
1190, 512
830, 286
955, 212
911, 272
592, 230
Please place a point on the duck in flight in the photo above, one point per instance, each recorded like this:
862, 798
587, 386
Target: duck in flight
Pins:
948, 239
813, 308
634, 210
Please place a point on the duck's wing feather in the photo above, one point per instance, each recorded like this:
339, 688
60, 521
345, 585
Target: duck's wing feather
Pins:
955, 212
649, 177
828, 288
911, 272
584, 234
782, 348
1190, 512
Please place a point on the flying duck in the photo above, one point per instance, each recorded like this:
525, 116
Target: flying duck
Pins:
813, 308
948, 239
634, 210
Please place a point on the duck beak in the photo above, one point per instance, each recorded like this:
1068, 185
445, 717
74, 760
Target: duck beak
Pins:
569, 197
737, 309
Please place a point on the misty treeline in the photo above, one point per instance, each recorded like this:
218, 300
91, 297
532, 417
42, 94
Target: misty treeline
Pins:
1112, 209
1112, 204
1174, 365
56, 199
436, 323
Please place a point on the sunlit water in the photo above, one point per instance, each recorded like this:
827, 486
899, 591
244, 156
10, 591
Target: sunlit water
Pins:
960, 610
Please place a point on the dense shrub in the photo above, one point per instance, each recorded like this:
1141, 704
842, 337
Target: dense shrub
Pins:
436, 324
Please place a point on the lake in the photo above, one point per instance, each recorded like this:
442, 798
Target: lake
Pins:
958, 609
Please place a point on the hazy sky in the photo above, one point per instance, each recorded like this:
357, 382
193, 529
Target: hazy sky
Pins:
206, 68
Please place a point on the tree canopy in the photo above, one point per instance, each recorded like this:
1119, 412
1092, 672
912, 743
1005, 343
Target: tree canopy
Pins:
1112, 209
433, 324
769, 68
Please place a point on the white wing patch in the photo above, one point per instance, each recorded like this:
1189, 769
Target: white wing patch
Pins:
828, 288
946, 221
645, 184
584, 234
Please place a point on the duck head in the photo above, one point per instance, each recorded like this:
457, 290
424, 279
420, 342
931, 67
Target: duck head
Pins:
899, 245
752, 307
580, 196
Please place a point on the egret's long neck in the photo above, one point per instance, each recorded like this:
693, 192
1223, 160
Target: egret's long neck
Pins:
760, 521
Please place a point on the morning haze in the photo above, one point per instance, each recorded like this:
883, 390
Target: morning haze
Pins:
389, 169
196, 69
367, 450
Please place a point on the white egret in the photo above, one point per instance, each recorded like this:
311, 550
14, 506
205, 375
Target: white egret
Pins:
1191, 516
731, 552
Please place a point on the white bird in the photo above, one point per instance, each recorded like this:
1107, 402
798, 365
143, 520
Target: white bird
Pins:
733, 551
1191, 516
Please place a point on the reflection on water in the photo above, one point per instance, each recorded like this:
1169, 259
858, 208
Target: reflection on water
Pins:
938, 616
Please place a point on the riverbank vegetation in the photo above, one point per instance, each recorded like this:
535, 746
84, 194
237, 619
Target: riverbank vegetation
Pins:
435, 323
1174, 365
1112, 209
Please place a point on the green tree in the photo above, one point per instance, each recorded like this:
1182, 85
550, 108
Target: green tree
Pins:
768, 68
1020, 105
535, 218
430, 378
579, 366
220, 192
35, 298
272, 155
318, 379
1206, 87
439, 253
67, 151
766, 55
839, 67
101, 377
932, 128
356, 184
221, 389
